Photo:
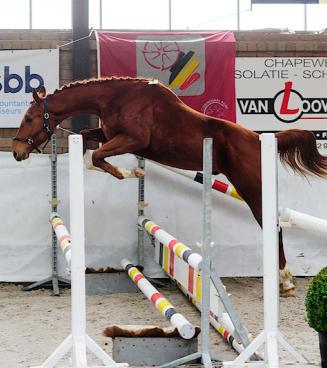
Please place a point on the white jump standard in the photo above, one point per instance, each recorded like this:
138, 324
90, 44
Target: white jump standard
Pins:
78, 340
270, 337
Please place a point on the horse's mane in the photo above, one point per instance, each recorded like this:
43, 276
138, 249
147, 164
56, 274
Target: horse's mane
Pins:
95, 81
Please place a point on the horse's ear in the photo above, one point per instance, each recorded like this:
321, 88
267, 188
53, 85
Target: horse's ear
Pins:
42, 92
36, 96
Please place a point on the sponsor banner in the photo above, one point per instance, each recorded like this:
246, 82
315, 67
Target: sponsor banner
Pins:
276, 94
20, 71
198, 67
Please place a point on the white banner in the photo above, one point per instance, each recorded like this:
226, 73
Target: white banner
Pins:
282, 93
20, 71
174, 202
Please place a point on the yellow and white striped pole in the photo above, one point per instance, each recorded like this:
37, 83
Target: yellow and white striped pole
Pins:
184, 327
180, 249
63, 236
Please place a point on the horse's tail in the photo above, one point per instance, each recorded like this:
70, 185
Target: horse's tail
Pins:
297, 148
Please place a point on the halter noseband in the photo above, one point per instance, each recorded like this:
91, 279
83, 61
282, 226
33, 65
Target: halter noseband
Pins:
45, 127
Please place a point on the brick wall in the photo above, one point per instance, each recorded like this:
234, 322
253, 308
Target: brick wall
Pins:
260, 44
249, 44
45, 39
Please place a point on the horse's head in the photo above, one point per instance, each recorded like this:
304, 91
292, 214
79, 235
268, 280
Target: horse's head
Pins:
35, 128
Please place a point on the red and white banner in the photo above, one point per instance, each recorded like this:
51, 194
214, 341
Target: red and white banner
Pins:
198, 67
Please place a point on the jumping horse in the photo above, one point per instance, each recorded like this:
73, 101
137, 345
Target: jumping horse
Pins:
143, 117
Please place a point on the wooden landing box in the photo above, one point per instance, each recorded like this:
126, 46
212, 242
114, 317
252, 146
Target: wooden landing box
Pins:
152, 351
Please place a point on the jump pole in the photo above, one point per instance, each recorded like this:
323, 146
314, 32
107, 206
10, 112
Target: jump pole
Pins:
216, 184
183, 266
180, 249
184, 327
63, 236
78, 340
288, 216
217, 323
270, 336
303, 221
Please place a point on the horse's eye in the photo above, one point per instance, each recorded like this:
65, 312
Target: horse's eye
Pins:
28, 120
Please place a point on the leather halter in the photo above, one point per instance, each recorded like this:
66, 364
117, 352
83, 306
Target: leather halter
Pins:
45, 127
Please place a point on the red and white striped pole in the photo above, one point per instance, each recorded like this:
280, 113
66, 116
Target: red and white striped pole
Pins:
184, 327
180, 249
217, 185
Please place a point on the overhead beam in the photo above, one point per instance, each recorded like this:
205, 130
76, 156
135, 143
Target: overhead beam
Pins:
81, 53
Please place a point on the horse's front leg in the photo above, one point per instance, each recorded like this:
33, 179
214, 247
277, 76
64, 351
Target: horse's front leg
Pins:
94, 135
91, 135
118, 145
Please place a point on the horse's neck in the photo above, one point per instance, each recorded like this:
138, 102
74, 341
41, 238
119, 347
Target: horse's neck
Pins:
74, 101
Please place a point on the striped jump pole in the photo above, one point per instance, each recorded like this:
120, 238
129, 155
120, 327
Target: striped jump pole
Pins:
184, 327
288, 217
218, 323
63, 236
178, 248
217, 185
189, 282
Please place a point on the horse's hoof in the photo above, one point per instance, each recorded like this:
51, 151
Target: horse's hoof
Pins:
287, 287
139, 173
287, 293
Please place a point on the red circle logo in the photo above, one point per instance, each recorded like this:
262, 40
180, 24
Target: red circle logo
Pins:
161, 55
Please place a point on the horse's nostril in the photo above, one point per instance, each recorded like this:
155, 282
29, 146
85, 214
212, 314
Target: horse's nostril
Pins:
16, 156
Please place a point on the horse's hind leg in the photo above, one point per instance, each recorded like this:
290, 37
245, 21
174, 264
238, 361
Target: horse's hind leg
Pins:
286, 285
118, 145
244, 172
285, 277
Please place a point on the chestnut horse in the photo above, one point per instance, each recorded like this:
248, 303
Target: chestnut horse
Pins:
145, 118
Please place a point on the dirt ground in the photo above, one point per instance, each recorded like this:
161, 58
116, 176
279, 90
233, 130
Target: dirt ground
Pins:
33, 324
